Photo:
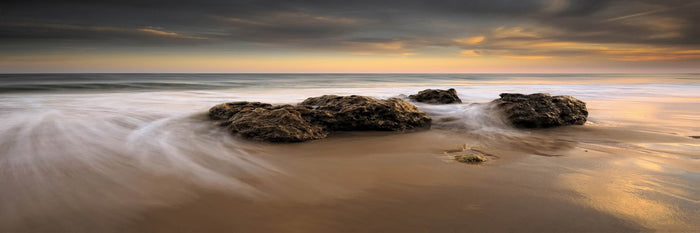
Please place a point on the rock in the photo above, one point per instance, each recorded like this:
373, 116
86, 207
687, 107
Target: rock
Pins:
541, 110
316, 117
275, 124
470, 158
336, 103
345, 113
227, 110
466, 154
435, 96
261, 121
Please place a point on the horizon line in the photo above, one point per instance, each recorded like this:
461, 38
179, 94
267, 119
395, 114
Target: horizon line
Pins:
698, 72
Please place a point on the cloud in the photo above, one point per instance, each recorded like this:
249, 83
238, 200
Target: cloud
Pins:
500, 28
470, 40
160, 32
286, 27
470, 53
12, 32
544, 46
527, 57
513, 33
640, 22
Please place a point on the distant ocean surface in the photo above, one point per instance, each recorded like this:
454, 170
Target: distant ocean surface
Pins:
105, 82
76, 145
286, 88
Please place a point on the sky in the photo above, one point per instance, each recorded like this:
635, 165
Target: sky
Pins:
351, 36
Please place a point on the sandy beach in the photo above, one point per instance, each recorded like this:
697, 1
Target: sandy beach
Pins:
578, 179
166, 168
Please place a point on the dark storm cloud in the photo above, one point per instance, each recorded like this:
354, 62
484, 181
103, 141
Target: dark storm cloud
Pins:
398, 26
644, 22
285, 26
43, 31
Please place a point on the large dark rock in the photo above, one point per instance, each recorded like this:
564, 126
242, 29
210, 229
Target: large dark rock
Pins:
366, 113
259, 121
541, 110
316, 117
227, 110
435, 96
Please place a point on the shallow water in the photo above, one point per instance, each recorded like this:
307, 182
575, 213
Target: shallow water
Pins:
135, 152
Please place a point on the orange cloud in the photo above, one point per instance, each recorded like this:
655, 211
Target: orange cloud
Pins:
513, 32
527, 57
471, 40
470, 53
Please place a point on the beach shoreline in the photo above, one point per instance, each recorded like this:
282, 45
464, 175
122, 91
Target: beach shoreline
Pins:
134, 161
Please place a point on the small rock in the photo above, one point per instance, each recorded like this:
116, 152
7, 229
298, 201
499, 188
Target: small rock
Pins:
470, 158
435, 96
467, 154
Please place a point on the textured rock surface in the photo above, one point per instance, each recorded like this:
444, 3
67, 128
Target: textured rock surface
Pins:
365, 113
435, 96
259, 121
470, 158
316, 117
541, 110
227, 110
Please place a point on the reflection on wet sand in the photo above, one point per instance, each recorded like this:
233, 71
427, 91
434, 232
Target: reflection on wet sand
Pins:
656, 195
661, 115
377, 182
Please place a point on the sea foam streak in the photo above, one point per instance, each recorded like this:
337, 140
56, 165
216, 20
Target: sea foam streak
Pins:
71, 157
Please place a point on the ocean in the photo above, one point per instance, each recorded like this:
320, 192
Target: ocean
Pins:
114, 148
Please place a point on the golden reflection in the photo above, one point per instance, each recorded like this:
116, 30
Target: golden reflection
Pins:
649, 165
634, 112
624, 193
666, 117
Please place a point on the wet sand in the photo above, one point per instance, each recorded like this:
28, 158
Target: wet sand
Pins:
559, 180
